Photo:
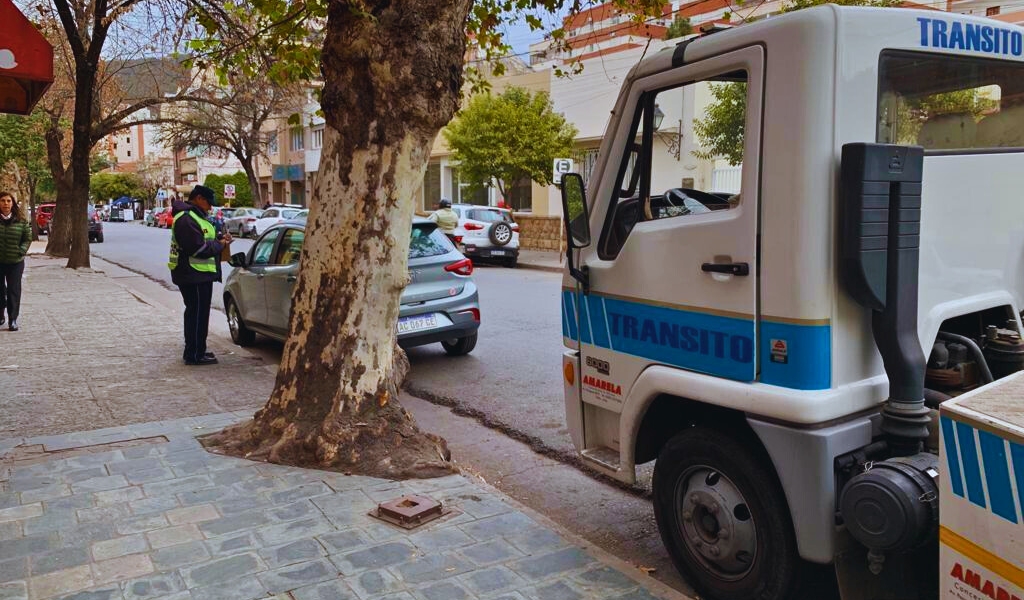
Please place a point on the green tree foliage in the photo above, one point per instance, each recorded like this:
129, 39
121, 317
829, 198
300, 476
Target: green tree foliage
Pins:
508, 137
795, 5
721, 130
110, 186
680, 27
243, 191
23, 154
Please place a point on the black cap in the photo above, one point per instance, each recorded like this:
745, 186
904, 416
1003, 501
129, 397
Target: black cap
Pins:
205, 192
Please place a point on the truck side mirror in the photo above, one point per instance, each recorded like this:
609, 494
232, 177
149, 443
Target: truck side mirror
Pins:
237, 259
574, 207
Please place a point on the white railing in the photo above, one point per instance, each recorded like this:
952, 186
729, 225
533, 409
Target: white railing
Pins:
727, 179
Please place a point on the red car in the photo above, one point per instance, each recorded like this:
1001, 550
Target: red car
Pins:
44, 213
165, 219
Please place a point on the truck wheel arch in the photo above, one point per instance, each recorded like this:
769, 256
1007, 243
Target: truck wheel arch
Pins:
668, 414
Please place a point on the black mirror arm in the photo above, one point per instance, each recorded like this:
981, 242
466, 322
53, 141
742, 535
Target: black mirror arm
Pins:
581, 275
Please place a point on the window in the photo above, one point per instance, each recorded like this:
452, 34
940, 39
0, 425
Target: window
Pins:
428, 241
317, 140
489, 216
991, 11
945, 102
264, 249
296, 139
272, 143
270, 213
289, 213
127, 139
129, 153
651, 182
291, 247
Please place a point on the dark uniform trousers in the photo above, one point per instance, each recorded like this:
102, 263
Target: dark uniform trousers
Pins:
197, 298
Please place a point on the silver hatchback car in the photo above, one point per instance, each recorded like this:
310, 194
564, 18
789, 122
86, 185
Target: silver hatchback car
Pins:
440, 304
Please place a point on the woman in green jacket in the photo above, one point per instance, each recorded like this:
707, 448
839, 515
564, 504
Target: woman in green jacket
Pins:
15, 237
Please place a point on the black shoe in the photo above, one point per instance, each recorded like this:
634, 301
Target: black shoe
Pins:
210, 355
14, 325
206, 360
2, 321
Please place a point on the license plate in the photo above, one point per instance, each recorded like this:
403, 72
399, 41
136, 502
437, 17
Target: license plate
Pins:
416, 323
497, 253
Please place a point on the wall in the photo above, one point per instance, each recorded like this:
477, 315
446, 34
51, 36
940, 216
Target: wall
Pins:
539, 232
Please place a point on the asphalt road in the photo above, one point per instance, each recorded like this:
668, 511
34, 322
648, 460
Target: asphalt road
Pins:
512, 379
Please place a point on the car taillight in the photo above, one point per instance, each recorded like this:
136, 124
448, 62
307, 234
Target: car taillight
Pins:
461, 267
250, 220
473, 226
473, 311
457, 238
515, 227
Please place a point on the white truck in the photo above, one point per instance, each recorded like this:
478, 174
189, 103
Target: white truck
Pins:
781, 352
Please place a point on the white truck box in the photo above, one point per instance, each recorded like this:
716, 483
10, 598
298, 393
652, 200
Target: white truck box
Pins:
982, 486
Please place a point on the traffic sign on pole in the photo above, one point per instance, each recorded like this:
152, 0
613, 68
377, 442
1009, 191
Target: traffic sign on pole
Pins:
229, 190
561, 167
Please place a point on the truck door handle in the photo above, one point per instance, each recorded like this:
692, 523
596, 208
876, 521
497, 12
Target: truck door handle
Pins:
291, 278
738, 269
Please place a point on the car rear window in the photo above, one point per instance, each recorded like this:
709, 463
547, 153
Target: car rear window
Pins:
288, 214
489, 216
428, 241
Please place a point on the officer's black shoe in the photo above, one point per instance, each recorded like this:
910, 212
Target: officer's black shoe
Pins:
206, 360
210, 355
13, 326
2, 321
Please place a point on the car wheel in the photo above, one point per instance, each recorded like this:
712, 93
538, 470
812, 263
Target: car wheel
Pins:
99, 238
724, 519
460, 346
500, 234
240, 334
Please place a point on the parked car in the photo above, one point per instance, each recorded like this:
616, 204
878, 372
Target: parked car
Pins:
273, 216
439, 305
95, 226
165, 219
242, 222
44, 214
487, 232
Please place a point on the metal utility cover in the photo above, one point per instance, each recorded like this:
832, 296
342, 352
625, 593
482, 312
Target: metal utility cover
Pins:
409, 511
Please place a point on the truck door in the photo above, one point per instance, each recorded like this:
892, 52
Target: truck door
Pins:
673, 275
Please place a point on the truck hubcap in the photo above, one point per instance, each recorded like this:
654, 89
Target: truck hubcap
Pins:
715, 523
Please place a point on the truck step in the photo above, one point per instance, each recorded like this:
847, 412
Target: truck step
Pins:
603, 456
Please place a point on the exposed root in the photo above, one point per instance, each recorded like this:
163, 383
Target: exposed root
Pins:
386, 444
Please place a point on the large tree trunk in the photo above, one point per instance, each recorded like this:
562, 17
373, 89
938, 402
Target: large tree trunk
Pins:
254, 182
391, 82
58, 239
76, 213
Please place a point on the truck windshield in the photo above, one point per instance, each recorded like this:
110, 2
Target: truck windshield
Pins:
949, 103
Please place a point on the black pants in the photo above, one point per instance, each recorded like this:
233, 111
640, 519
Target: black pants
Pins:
10, 289
197, 318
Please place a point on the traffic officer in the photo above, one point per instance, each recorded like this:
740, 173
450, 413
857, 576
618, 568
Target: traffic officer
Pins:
194, 262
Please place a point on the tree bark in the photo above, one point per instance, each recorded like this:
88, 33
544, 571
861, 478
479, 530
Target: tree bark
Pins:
58, 239
390, 83
76, 213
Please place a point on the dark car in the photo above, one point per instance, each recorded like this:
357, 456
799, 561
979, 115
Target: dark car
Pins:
95, 226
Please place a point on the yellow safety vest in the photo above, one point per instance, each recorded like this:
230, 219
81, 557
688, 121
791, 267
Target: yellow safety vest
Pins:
203, 265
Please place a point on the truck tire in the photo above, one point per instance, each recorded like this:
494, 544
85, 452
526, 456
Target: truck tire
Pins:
240, 334
460, 346
724, 519
500, 233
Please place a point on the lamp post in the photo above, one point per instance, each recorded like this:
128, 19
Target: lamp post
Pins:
672, 140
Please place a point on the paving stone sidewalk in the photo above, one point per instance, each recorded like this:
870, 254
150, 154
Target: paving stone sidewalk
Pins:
143, 511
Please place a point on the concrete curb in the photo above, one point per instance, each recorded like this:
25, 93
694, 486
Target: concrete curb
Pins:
539, 267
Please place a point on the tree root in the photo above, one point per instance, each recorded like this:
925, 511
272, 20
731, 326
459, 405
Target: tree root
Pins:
386, 444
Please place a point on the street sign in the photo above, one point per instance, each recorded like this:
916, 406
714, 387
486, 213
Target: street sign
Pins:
561, 167
229, 190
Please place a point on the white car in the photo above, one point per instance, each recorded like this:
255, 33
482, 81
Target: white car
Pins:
487, 232
273, 216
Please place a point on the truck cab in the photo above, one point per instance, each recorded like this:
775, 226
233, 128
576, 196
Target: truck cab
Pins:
767, 348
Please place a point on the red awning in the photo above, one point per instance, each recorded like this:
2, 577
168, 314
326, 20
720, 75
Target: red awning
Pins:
26, 62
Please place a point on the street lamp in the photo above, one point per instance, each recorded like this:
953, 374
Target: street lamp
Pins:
671, 139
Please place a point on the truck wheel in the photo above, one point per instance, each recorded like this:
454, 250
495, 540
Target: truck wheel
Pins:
724, 519
240, 334
460, 346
